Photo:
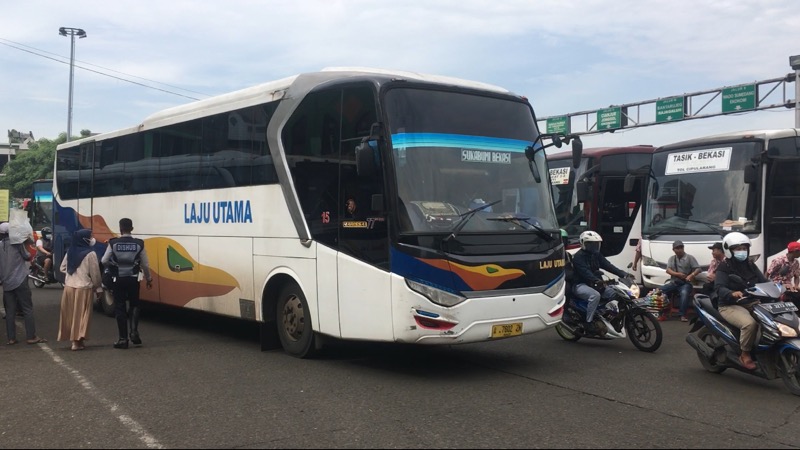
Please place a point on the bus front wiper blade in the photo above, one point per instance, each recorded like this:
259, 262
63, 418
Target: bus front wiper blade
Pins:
665, 230
465, 218
544, 234
713, 227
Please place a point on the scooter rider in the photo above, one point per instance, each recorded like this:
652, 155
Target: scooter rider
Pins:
588, 279
44, 252
731, 293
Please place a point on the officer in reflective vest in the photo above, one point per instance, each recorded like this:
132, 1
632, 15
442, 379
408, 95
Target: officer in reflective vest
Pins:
127, 254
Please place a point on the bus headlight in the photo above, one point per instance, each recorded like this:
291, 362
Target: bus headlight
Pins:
553, 290
438, 296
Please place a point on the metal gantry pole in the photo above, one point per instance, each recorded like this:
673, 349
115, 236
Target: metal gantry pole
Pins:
71, 32
794, 61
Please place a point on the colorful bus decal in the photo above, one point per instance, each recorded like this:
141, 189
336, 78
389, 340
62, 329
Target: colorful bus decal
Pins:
183, 280
452, 276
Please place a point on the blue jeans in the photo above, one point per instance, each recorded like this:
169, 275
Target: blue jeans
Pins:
685, 291
585, 292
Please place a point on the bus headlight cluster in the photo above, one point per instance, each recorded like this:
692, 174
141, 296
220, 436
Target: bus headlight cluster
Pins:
438, 296
553, 290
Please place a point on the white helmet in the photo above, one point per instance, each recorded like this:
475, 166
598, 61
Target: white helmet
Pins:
732, 240
590, 236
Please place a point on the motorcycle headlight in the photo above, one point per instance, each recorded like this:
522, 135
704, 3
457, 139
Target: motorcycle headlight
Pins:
787, 331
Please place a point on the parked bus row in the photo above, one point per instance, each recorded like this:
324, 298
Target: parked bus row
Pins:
694, 191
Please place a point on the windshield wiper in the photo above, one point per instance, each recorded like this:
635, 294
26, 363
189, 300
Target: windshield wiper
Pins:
708, 224
544, 234
665, 230
465, 218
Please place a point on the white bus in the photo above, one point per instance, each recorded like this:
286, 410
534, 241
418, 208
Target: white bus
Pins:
604, 194
702, 189
350, 203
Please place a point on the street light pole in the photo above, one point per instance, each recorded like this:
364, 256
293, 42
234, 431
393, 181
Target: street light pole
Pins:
794, 61
71, 32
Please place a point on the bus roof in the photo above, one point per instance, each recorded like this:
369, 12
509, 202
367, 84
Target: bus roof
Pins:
733, 136
595, 152
293, 86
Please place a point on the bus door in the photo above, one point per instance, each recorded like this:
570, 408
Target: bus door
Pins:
618, 211
364, 282
782, 196
353, 283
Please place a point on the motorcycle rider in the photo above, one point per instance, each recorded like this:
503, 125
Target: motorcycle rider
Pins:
731, 296
44, 252
588, 279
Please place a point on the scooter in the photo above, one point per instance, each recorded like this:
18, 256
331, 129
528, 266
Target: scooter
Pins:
39, 278
777, 353
620, 316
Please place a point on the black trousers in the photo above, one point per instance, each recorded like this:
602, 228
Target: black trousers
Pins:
126, 291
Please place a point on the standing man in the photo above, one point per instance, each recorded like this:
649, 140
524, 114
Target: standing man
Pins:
128, 255
785, 269
683, 268
717, 256
14, 269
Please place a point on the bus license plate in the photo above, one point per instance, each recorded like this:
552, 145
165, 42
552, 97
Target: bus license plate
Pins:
507, 330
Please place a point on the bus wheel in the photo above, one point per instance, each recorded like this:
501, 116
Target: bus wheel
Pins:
107, 303
294, 323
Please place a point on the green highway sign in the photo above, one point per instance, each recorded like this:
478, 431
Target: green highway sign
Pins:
739, 98
609, 118
558, 125
670, 109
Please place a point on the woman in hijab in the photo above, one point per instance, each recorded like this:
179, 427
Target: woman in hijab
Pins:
82, 280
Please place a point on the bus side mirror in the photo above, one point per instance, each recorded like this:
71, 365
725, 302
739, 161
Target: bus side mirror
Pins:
366, 159
577, 152
750, 174
582, 191
630, 181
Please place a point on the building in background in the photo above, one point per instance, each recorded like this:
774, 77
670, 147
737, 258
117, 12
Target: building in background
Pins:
17, 142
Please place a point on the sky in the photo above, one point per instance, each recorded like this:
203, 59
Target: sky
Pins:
565, 56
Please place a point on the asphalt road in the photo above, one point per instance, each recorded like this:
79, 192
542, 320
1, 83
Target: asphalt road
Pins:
201, 381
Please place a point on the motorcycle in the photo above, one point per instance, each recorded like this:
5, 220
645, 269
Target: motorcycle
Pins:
777, 353
620, 316
39, 278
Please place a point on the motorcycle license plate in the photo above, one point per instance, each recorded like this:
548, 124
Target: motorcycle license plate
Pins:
779, 308
506, 330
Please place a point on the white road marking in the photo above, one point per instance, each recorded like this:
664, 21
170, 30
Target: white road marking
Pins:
132, 425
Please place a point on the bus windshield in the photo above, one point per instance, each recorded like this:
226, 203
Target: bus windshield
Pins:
455, 153
570, 213
40, 210
701, 190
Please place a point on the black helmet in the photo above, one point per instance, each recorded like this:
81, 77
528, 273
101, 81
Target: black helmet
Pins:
46, 232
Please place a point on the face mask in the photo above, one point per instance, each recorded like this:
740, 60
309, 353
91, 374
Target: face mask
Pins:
740, 255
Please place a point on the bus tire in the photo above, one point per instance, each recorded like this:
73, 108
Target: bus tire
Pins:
294, 322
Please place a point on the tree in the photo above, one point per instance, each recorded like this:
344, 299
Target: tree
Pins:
31, 165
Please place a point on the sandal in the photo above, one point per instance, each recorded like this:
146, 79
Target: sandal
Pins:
37, 340
12, 342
